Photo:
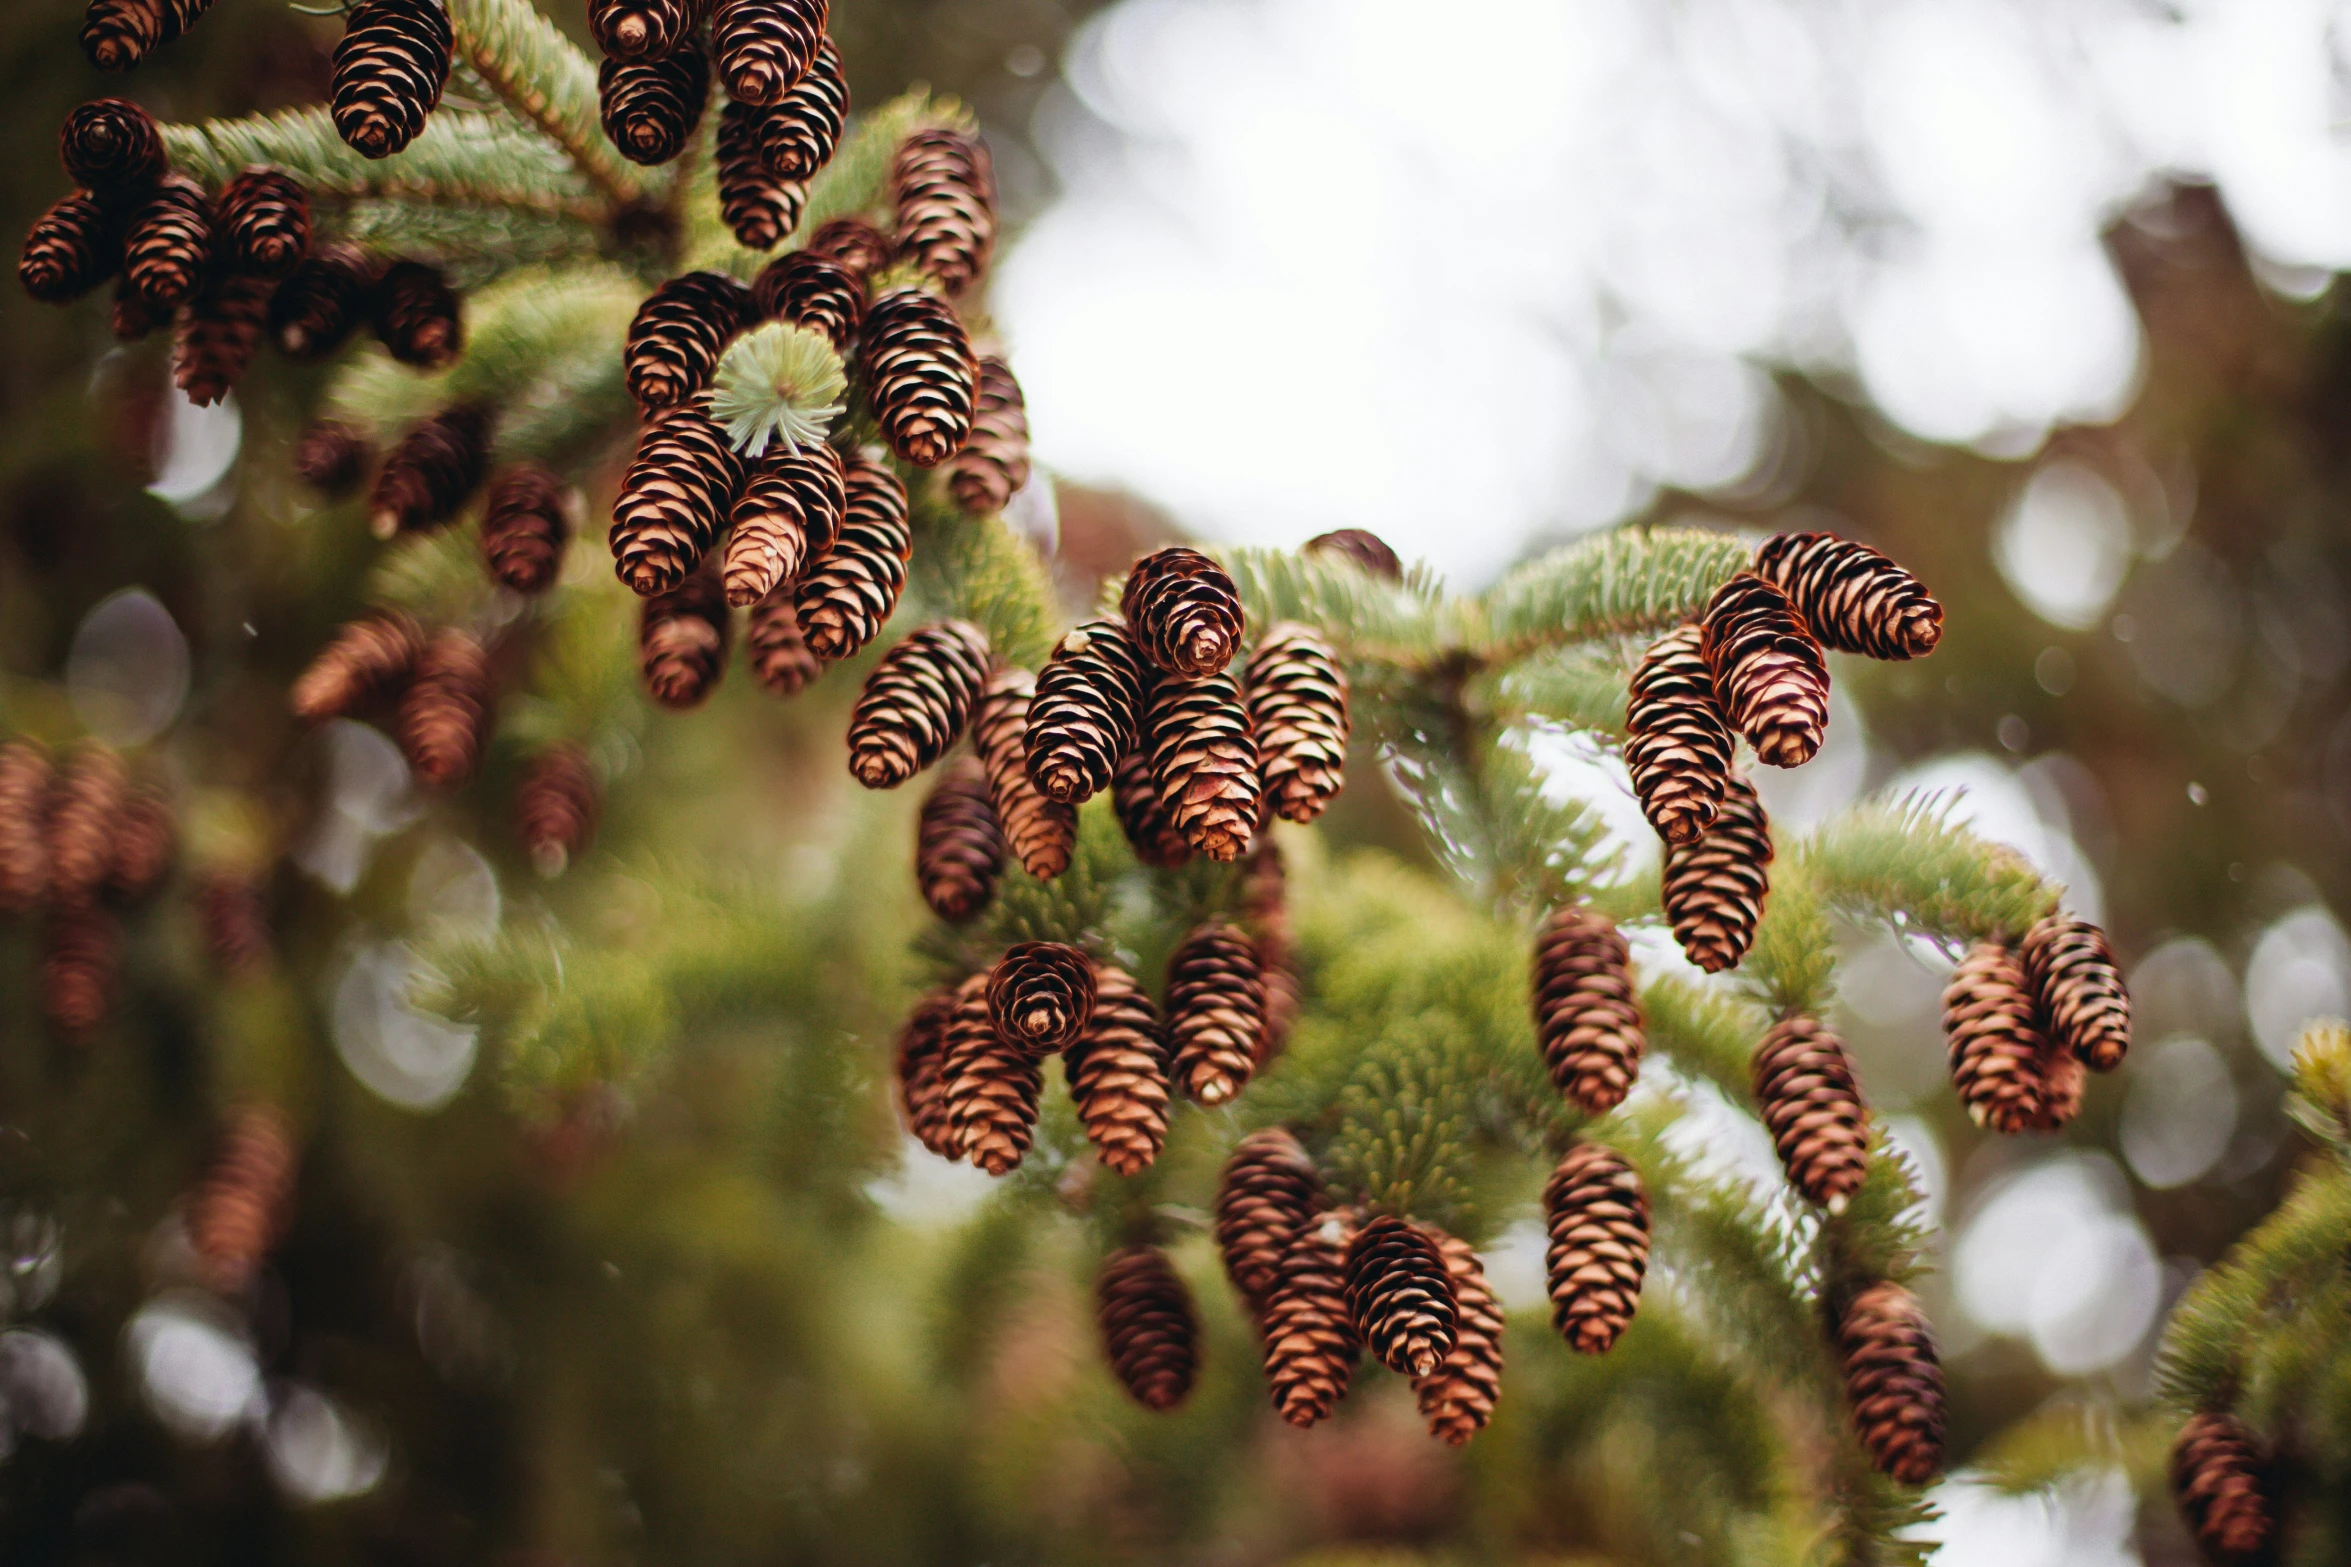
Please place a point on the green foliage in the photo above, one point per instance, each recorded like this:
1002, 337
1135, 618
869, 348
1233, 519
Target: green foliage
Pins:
2249, 1326
1581, 687
1512, 838
1706, 1032
2321, 1099
2068, 1437
1621, 582
461, 159
545, 78
778, 383
1792, 966
1907, 862
979, 569
1362, 616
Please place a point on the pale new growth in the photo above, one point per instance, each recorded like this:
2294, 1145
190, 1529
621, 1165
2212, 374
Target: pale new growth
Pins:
781, 382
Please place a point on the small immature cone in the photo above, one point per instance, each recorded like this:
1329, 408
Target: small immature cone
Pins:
1142, 814
922, 1044
638, 29
1040, 996
322, 300
1117, 1073
525, 526
2072, 972
920, 374
1401, 1297
759, 207
262, 223
85, 813
556, 807
417, 316
1994, 1032
234, 916
945, 188
390, 68
111, 144
789, 514
673, 500
1149, 1329
72, 248
779, 654
217, 336
1215, 1012
1087, 711
240, 1210
1587, 1011
1040, 832
332, 456
445, 713
1678, 744
1893, 1383
1298, 712
1768, 672
1310, 1340
117, 34
994, 463
432, 473
1853, 599
798, 135
844, 599
167, 248
855, 244
369, 660
811, 291
2216, 1479
1183, 611
1811, 1104
764, 47
990, 1088
677, 335
958, 846
1266, 1201
26, 777
146, 840
1361, 547
650, 107
81, 959
915, 703
1204, 761
1598, 1216
1714, 888
1457, 1399
682, 642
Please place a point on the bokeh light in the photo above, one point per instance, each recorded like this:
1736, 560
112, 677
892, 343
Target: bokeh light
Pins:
127, 673
2300, 969
2051, 1253
194, 1363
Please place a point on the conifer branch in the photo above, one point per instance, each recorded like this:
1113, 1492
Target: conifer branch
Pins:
1707, 1033
980, 570
1906, 861
528, 62
1623, 582
1792, 967
1363, 617
1583, 688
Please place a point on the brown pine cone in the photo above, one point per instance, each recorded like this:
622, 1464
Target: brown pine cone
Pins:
1587, 1011
1457, 1399
989, 1088
85, 812
1041, 833
525, 526
1310, 1341
1401, 1297
1768, 673
757, 204
1598, 1216
807, 290
369, 660
1994, 1032
556, 806
789, 514
1678, 745
1893, 1383
111, 144
915, 702
641, 29
117, 34
1852, 599
922, 1043
1205, 763
2216, 1479
1040, 996
945, 189
674, 498
1366, 549
1215, 1012
390, 68
234, 917
920, 375
72, 248
130, 318
1117, 1073
146, 841
2064, 1080
678, 334
994, 463
417, 316
262, 223
958, 846
764, 47
855, 244
1810, 1103
218, 335
1266, 1201
651, 106
1265, 913
844, 599
682, 642
25, 780
780, 659
1183, 611
445, 713
1298, 712
2072, 972
241, 1208
81, 958
1714, 888
1087, 712
432, 472
322, 300
1143, 815
167, 247
797, 137
1149, 1329
332, 456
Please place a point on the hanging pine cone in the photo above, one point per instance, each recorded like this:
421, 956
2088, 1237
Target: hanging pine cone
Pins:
1893, 1383
1183, 611
1400, 1296
146, 841
758, 205
994, 463
525, 524
1853, 599
1265, 914
241, 1208
920, 374
1149, 1329
1714, 888
1810, 1103
234, 917
322, 300
417, 317
1587, 1012
25, 780
1215, 1012
2064, 1080
1205, 763
167, 247
674, 498
798, 136
1298, 712
445, 713
1117, 1073
71, 249
678, 334
218, 335
682, 642
2216, 1479
81, 956
1994, 1032
915, 702
117, 34
922, 1041
1040, 996
958, 847
807, 290
261, 223
130, 318
989, 1088
764, 47
1678, 746
432, 472
945, 189
1768, 673
390, 68
780, 659
1310, 1342
369, 660
332, 456
1087, 711
1041, 833
855, 244
1267, 1198
111, 145
1598, 1216
556, 807
1367, 550
2072, 971
85, 811
1143, 815
1457, 1399
789, 514
651, 106
640, 29
844, 599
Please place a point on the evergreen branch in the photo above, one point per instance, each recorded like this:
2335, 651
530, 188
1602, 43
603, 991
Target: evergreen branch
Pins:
2300, 1250
583, 684
1907, 862
476, 245
1792, 966
2066, 1438
435, 576
528, 62
979, 569
2321, 1096
1624, 582
1880, 1232
1707, 1033
1510, 839
1364, 617
1583, 688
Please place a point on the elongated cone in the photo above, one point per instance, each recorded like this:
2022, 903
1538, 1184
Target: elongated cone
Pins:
85, 814
1268, 1198
1117, 1073
650, 107
81, 957
1811, 1104
1310, 1340
262, 223
1040, 832
72, 248
798, 135
1215, 1012
417, 316
788, 515
239, 1211
945, 188
218, 334
855, 244
1087, 711
1714, 888
1298, 713
26, 777
445, 713
846, 596
759, 206
1893, 1382
1598, 1216
990, 1087
1457, 1399
316, 308
673, 499
390, 68
682, 642
1996, 1044
1040, 996
432, 473
1401, 1297
146, 842
1183, 612
111, 144
764, 47
2216, 1479
1149, 1329
994, 463
1205, 763
806, 290
1143, 815
1363, 548
1587, 1011
2072, 972
677, 335
131, 318
1678, 744
915, 703
117, 34
368, 661
1768, 672
920, 374
780, 659
2064, 1080
167, 247
958, 847
233, 911
922, 1097
1853, 599
640, 29
556, 807
525, 526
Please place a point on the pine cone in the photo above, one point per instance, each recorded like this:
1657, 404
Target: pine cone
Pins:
1853, 599
990, 1088
262, 223
524, 527
2216, 1479
332, 456
556, 807
780, 659
417, 317
844, 599
130, 318
1598, 1216
111, 145
1714, 888
1996, 1041
1183, 611
1117, 1073
368, 660
1893, 1383
167, 248
85, 811
1143, 815
322, 300
1367, 550
2072, 971
915, 702
1266, 1201
945, 189
445, 713
117, 34
789, 514
1457, 1399
764, 47
2064, 1080
390, 68
855, 244
235, 920
218, 335
922, 1042
678, 334
758, 205
921, 376
1265, 913
1587, 1011
809, 291
958, 847
72, 248
25, 780
81, 957
682, 642
994, 463
640, 29
1215, 1012
651, 106
1205, 763
146, 840
674, 498
1041, 833
797, 137
1149, 1329
1040, 996
1298, 712
1678, 745
1768, 673
241, 1209
1806, 1093
432, 472
1087, 711
1310, 1342
1401, 1297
